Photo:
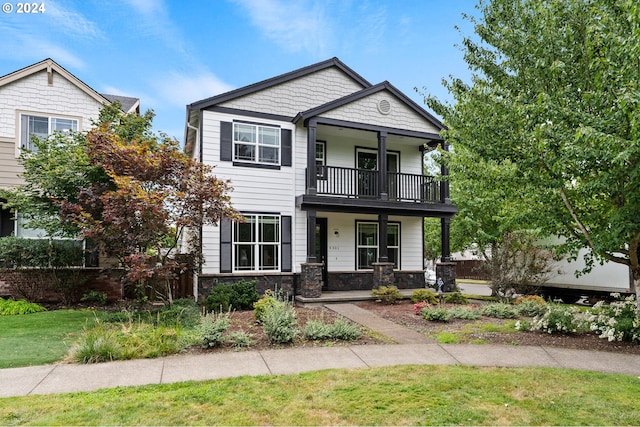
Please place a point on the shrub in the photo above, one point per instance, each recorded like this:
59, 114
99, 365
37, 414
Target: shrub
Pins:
11, 307
280, 323
437, 314
533, 298
261, 306
316, 330
338, 330
135, 340
387, 294
557, 318
465, 313
241, 339
99, 298
499, 310
239, 296
455, 298
530, 307
424, 295
616, 321
213, 328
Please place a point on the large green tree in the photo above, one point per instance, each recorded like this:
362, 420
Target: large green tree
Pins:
545, 136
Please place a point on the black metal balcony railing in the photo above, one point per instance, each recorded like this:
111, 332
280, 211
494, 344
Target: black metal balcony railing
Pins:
363, 183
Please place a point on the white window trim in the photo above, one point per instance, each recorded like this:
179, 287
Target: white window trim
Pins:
257, 245
49, 115
377, 245
257, 144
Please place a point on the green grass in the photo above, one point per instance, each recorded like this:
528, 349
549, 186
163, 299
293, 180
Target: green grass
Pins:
402, 395
39, 338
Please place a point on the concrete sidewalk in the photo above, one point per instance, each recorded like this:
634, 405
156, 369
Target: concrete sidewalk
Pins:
411, 349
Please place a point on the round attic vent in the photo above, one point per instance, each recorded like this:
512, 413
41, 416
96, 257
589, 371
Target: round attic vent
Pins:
384, 106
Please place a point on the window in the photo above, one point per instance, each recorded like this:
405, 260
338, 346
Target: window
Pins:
321, 159
256, 243
43, 126
367, 245
256, 143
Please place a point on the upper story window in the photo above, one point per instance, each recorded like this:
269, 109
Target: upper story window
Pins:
256, 143
43, 126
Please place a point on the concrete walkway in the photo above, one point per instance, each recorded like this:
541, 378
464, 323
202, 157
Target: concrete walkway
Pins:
411, 349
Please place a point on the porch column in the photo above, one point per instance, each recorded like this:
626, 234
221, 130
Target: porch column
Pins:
383, 233
312, 176
311, 236
444, 185
383, 190
445, 235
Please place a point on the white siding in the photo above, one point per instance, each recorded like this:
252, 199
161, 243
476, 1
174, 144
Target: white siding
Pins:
298, 95
33, 94
341, 247
365, 110
254, 189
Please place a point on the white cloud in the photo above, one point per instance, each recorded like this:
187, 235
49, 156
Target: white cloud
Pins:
72, 22
181, 89
296, 26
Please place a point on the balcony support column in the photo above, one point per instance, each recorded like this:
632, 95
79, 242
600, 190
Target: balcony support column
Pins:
444, 185
311, 237
383, 182
312, 176
445, 236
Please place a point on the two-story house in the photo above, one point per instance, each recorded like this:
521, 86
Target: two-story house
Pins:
328, 171
38, 100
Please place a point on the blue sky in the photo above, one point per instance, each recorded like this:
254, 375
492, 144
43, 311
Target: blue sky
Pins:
171, 53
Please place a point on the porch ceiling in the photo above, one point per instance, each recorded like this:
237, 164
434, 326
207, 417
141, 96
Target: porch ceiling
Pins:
328, 132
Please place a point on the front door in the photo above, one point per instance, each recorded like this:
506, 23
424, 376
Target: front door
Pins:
321, 248
367, 164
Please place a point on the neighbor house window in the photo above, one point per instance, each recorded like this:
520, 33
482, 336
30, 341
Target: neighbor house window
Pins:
367, 245
256, 243
256, 143
43, 126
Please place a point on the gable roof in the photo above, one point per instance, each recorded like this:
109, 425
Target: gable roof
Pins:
129, 104
306, 115
246, 90
50, 66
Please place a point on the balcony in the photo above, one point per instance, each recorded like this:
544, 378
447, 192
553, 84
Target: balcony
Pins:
358, 190
363, 183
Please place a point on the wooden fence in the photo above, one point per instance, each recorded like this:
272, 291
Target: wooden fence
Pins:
471, 269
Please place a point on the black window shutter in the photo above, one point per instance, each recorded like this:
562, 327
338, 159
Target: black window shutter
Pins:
226, 141
286, 244
285, 140
226, 245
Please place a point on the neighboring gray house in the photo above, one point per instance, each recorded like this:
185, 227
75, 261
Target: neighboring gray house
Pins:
304, 151
39, 100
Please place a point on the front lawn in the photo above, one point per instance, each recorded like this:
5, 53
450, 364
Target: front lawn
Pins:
40, 338
399, 395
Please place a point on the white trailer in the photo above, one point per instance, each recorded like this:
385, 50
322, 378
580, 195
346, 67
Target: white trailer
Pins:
601, 282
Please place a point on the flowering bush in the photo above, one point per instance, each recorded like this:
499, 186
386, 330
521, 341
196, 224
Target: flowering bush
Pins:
557, 318
616, 321
417, 307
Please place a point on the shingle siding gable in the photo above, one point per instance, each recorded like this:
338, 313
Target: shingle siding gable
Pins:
365, 110
301, 94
